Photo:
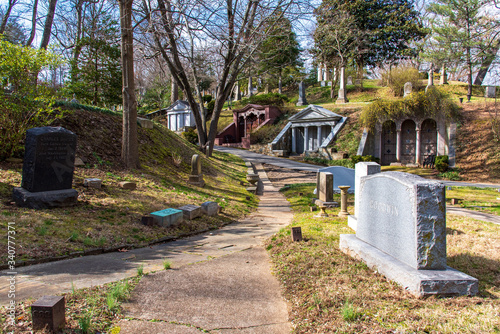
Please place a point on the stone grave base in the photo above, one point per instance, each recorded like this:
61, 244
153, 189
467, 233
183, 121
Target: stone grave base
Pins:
196, 180
422, 283
44, 199
320, 203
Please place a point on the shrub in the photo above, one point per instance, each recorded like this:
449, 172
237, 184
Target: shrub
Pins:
191, 136
358, 158
265, 134
430, 104
396, 78
442, 163
452, 175
273, 99
207, 98
28, 104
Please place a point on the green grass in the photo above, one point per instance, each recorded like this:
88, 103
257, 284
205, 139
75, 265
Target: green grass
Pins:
475, 198
330, 292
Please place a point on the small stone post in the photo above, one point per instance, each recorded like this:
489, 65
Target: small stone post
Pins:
343, 201
302, 94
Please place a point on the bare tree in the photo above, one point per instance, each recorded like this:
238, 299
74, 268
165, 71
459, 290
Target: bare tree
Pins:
231, 30
47, 30
6, 16
33, 23
130, 152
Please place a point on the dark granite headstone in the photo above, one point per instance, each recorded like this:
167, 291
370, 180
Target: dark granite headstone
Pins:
48, 169
297, 233
49, 159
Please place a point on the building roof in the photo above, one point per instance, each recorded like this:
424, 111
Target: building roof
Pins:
314, 113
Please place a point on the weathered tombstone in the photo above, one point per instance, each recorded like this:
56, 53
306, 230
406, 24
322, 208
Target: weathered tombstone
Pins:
210, 208
196, 177
408, 88
342, 176
349, 80
342, 98
324, 186
48, 312
401, 231
48, 169
443, 80
191, 211
296, 233
145, 123
430, 81
490, 92
237, 93
302, 94
167, 217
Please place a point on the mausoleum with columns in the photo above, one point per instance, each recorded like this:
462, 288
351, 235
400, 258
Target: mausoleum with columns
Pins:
410, 140
310, 130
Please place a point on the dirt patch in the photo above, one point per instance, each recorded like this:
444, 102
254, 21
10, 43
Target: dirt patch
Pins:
282, 176
478, 151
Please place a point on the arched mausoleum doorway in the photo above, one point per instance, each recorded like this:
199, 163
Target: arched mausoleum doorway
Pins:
388, 142
428, 141
408, 142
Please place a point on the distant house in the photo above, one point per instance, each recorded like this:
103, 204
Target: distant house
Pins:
310, 130
179, 116
245, 121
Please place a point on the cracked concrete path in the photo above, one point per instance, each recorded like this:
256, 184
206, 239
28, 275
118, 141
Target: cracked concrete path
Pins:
484, 216
233, 292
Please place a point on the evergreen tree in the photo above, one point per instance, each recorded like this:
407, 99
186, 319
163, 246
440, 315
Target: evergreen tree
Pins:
279, 53
370, 32
459, 30
95, 76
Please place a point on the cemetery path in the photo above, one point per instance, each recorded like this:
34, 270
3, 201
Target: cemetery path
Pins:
484, 216
220, 281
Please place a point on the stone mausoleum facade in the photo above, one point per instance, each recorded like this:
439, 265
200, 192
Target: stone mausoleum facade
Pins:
179, 116
309, 131
245, 121
409, 141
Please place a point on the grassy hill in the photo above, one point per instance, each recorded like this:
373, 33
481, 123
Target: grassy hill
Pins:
478, 149
109, 218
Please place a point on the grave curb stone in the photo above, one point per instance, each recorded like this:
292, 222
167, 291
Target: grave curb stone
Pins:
128, 185
92, 183
210, 208
167, 217
190, 211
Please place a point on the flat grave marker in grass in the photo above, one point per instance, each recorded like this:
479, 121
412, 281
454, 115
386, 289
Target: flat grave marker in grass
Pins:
401, 231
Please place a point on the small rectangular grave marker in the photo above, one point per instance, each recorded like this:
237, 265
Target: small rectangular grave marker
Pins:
191, 211
210, 208
297, 233
92, 183
147, 221
128, 185
454, 201
167, 217
48, 311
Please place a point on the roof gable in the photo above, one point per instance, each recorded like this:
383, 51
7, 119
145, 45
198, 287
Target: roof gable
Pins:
314, 113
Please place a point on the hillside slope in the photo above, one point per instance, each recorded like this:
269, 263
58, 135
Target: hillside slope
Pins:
109, 218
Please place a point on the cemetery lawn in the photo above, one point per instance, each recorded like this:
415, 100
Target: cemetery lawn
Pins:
475, 198
330, 292
90, 310
109, 218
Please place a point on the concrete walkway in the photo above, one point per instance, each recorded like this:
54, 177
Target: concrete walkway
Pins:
487, 217
221, 281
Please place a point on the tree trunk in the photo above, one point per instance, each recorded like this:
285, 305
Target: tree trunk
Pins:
174, 94
280, 85
6, 16
130, 152
33, 24
491, 54
48, 24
